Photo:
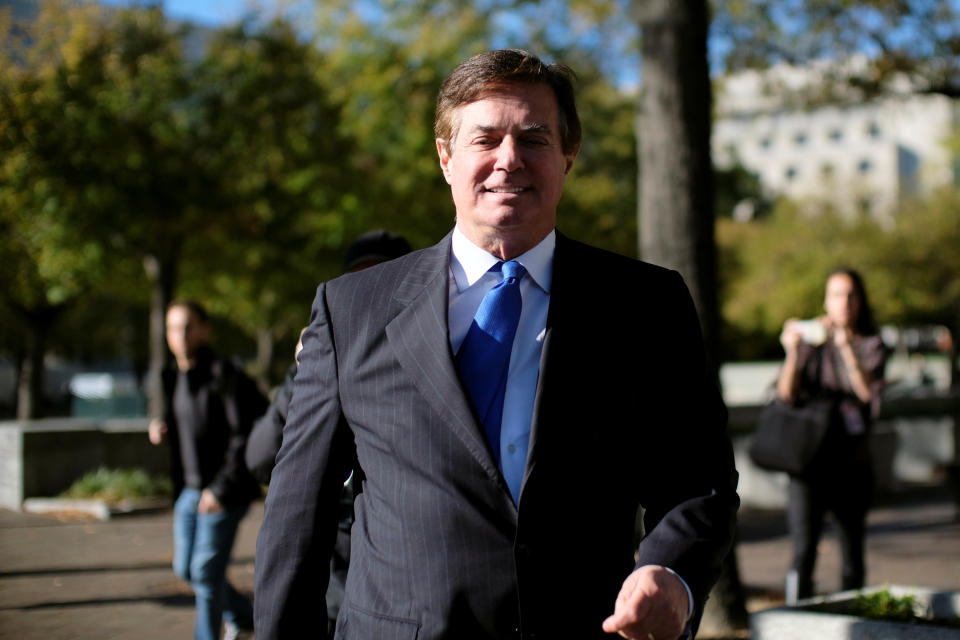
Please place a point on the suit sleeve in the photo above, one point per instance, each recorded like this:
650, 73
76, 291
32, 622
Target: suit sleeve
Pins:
243, 403
300, 519
265, 437
690, 527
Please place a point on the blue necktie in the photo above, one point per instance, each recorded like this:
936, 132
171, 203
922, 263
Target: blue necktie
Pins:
484, 357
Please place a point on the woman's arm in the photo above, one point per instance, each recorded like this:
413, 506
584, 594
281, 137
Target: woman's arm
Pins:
789, 380
860, 380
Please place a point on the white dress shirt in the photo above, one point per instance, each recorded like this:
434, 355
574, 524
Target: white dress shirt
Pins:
469, 283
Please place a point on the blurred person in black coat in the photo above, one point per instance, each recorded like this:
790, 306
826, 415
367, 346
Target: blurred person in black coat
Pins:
210, 406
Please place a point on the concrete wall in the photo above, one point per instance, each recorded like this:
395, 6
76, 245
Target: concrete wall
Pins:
44, 457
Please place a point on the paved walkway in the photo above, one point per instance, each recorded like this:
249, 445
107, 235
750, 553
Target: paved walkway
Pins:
79, 580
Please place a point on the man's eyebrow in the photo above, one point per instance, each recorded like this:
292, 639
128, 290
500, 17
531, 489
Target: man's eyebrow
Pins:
535, 127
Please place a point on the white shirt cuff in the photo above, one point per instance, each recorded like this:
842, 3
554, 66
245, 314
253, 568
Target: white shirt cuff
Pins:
686, 620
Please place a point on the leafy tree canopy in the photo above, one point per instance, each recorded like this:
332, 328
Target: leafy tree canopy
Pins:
872, 44
776, 268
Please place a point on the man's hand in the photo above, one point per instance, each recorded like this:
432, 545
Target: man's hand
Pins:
652, 604
157, 431
209, 503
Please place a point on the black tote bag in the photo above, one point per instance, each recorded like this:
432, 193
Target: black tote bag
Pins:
788, 437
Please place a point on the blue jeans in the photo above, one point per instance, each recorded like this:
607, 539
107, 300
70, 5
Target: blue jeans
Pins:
201, 552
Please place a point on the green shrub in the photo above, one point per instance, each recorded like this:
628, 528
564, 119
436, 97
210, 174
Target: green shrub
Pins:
884, 606
114, 485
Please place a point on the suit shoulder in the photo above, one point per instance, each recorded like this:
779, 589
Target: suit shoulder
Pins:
610, 262
384, 275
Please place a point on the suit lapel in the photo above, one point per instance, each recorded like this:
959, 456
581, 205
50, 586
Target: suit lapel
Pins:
420, 340
551, 357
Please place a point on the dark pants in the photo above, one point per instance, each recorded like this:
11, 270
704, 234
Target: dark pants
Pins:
843, 487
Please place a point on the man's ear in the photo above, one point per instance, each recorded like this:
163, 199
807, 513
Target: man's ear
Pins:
444, 159
570, 157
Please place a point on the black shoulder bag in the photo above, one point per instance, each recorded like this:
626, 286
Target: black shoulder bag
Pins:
788, 437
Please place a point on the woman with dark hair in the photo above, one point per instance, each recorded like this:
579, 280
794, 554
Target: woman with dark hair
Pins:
838, 356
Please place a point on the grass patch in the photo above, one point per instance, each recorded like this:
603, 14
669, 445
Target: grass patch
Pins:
115, 485
884, 606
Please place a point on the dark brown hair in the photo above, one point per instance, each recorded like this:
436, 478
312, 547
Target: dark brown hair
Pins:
487, 72
865, 325
194, 307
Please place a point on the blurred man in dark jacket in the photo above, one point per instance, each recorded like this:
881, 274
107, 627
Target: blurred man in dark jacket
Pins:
210, 406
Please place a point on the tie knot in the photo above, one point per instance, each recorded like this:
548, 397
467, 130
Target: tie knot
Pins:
512, 269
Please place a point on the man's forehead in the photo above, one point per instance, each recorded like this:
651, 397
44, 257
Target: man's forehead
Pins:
546, 120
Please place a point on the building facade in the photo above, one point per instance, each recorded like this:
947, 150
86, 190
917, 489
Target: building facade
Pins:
856, 157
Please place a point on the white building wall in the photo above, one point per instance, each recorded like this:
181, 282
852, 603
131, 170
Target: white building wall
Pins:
857, 158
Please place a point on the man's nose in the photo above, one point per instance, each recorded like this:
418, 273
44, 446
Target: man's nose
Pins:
508, 155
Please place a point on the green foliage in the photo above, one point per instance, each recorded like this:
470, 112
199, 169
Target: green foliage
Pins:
775, 268
734, 185
390, 69
116, 145
114, 485
916, 40
884, 606
388, 72
286, 194
46, 264
599, 204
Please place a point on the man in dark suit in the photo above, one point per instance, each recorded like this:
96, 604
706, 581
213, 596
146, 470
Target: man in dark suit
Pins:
502, 496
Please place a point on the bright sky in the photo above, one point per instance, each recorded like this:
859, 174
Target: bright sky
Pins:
206, 12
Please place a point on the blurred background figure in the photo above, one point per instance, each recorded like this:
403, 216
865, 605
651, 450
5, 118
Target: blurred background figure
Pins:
839, 356
210, 406
367, 250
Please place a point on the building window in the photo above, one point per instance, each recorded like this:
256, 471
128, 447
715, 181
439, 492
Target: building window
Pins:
826, 171
766, 142
908, 170
873, 130
836, 135
864, 206
864, 167
791, 173
800, 139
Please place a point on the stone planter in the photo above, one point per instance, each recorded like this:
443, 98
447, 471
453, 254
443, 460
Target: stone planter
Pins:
822, 618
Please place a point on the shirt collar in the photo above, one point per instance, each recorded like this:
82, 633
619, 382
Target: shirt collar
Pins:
473, 261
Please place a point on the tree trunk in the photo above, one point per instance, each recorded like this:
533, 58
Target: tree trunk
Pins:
37, 323
161, 272
676, 209
726, 609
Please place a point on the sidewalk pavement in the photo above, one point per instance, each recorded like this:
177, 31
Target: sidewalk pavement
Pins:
65, 579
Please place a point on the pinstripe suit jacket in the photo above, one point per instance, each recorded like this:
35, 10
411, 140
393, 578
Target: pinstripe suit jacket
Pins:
627, 425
